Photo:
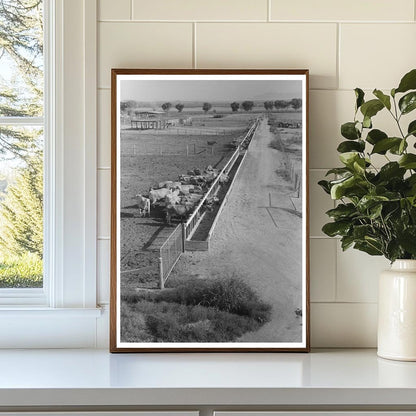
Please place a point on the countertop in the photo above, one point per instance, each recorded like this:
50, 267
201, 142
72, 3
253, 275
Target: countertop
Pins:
96, 377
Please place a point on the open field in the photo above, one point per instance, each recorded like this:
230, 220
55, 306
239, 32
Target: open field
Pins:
261, 247
258, 237
140, 172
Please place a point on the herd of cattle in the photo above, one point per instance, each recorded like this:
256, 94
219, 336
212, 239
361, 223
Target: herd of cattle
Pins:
179, 198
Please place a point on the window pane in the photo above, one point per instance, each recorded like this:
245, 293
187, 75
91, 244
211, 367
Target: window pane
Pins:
21, 207
21, 58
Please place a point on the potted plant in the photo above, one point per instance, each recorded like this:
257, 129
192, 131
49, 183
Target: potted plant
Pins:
376, 207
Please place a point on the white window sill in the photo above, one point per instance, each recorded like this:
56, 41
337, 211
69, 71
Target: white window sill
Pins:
325, 379
36, 312
40, 327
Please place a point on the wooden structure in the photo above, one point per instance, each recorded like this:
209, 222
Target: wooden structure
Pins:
150, 123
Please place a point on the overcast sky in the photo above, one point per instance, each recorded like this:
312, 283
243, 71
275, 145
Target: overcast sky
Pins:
207, 90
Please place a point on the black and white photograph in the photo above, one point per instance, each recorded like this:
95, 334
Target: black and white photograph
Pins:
209, 243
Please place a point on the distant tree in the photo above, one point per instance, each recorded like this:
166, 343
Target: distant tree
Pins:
206, 107
21, 50
179, 107
247, 105
296, 103
166, 106
281, 104
268, 105
21, 212
235, 106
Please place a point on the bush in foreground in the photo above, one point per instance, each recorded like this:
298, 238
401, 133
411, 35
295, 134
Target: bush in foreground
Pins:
195, 310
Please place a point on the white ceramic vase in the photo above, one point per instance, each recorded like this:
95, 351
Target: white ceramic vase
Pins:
397, 312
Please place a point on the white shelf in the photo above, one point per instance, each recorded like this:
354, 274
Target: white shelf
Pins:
56, 378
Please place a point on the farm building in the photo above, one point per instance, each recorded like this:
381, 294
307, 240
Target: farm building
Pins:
152, 120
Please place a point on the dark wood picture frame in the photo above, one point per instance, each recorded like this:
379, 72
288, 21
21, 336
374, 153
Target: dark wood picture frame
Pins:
146, 120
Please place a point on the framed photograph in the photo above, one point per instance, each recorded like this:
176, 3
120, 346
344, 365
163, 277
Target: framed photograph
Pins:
209, 211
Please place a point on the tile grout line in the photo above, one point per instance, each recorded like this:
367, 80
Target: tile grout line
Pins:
336, 272
269, 10
307, 22
338, 63
194, 62
131, 9
344, 303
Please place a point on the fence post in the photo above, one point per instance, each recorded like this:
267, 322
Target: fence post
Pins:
162, 280
183, 237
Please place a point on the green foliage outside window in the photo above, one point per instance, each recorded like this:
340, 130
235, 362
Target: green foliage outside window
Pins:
21, 147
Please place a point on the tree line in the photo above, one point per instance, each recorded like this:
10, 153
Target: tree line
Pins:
21, 205
295, 103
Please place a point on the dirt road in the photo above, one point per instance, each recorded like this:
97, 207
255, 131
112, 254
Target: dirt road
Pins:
258, 237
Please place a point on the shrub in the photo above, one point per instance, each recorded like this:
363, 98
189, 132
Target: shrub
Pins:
21, 271
194, 310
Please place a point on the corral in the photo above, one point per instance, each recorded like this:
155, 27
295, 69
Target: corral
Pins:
142, 155
144, 239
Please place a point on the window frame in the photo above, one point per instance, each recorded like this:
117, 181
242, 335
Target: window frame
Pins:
67, 301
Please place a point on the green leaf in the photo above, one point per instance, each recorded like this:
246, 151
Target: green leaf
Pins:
408, 161
383, 145
349, 131
368, 248
408, 102
325, 186
359, 95
349, 146
393, 250
393, 92
385, 99
348, 158
371, 108
333, 229
342, 211
346, 242
375, 136
375, 211
408, 82
400, 148
407, 240
391, 170
360, 231
338, 189
338, 171
411, 130
368, 201
367, 122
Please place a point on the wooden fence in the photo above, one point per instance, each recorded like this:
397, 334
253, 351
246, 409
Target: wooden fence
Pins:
196, 216
170, 252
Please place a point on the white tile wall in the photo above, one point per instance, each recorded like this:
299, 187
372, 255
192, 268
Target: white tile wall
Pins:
142, 45
114, 10
376, 55
104, 128
323, 268
357, 10
272, 45
345, 44
104, 202
200, 10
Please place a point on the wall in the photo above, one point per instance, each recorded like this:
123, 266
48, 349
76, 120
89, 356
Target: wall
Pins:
344, 43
